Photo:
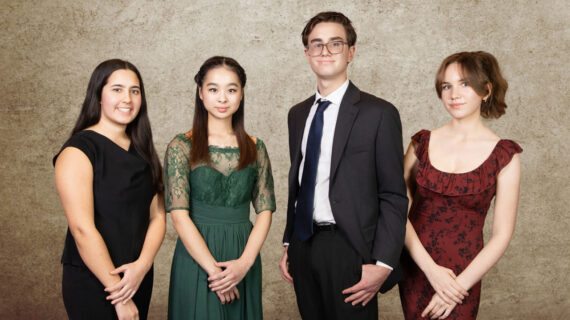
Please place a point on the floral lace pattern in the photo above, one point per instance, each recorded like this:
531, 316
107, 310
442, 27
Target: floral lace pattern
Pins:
217, 183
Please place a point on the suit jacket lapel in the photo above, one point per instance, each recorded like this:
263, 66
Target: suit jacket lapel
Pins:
300, 128
346, 115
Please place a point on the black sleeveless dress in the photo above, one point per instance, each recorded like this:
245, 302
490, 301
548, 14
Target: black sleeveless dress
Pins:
122, 193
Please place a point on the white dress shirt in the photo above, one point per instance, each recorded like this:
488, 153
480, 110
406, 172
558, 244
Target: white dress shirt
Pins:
323, 212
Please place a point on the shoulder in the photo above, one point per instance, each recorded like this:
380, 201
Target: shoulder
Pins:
307, 103
84, 141
181, 139
179, 145
375, 104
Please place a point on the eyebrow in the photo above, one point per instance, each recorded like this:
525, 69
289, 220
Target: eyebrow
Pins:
215, 84
331, 39
122, 86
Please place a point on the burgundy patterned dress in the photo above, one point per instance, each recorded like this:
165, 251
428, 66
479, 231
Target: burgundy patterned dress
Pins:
448, 214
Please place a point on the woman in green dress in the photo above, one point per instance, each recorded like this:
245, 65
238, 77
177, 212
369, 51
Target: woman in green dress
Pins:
212, 174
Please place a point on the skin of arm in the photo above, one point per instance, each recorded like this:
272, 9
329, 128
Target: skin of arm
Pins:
133, 273
504, 219
235, 270
442, 279
74, 182
197, 248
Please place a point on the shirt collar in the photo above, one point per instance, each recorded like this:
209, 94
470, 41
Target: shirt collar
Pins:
334, 97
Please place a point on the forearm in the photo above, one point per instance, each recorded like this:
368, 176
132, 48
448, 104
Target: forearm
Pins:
95, 255
193, 241
257, 237
154, 237
416, 250
484, 260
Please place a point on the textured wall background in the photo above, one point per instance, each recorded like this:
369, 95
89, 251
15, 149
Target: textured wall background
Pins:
50, 47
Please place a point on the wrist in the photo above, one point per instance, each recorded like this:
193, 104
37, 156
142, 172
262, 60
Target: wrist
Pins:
247, 261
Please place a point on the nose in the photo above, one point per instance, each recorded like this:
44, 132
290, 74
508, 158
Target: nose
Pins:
222, 96
454, 93
326, 51
127, 97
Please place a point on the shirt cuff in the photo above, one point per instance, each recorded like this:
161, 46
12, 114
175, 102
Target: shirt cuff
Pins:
285, 244
382, 264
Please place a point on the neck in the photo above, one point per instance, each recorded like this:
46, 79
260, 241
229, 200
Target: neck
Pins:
328, 86
221, 127
466, 127
114, 132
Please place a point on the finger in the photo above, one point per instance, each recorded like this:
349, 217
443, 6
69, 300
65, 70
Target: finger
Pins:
222, 298
222, 264
131, 295
454, 295
460, 289
118, 294
355, 288
362, 298
428, 309
236, 291
450, 272
443, 296
117, 286
445, 313
285, 273
221, 287
119, 269
354, 296
230, 287
126, 298
370, 297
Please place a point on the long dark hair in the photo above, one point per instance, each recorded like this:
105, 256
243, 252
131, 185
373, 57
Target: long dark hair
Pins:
199, 135
480, 69
138, 130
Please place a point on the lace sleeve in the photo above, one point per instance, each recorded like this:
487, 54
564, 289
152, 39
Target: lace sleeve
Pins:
263, 197
177, 174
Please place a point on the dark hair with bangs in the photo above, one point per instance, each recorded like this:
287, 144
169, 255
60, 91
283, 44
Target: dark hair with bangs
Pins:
481, 70
199, 134
330, 16
138, 130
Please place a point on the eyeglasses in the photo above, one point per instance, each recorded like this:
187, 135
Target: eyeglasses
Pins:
334, 47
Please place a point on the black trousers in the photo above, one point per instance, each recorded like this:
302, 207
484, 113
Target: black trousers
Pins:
84, 296
322, 267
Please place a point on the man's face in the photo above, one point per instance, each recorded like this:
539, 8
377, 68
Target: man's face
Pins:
327, 65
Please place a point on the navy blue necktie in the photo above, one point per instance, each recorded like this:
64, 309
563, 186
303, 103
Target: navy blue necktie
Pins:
306, 197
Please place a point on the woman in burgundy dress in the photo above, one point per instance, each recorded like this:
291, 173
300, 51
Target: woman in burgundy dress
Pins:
452, 174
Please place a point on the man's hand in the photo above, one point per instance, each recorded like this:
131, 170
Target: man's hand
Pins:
373, 277
284, 267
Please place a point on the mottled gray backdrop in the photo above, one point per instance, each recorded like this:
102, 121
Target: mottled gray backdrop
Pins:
50, 47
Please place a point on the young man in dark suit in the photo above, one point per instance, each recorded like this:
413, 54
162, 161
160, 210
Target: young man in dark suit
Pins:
347, 205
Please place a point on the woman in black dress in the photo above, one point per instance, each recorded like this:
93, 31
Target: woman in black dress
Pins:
109, 180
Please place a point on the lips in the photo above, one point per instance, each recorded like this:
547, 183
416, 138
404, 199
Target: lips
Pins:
222, 109
456, 105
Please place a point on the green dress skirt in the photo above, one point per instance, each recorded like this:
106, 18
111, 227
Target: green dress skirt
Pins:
217, 198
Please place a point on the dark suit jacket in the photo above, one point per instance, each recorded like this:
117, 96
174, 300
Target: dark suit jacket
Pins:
367, 189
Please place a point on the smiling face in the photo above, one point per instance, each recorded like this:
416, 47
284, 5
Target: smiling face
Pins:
328, 66
458, 97
120, 98
221, 93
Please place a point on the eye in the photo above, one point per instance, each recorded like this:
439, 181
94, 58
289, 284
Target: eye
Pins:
232, 90
446, 87
212, 90
135, 91
317, 45
337, 44
465, 84
116, 89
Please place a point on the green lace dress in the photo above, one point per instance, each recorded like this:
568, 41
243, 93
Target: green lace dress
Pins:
218, 199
